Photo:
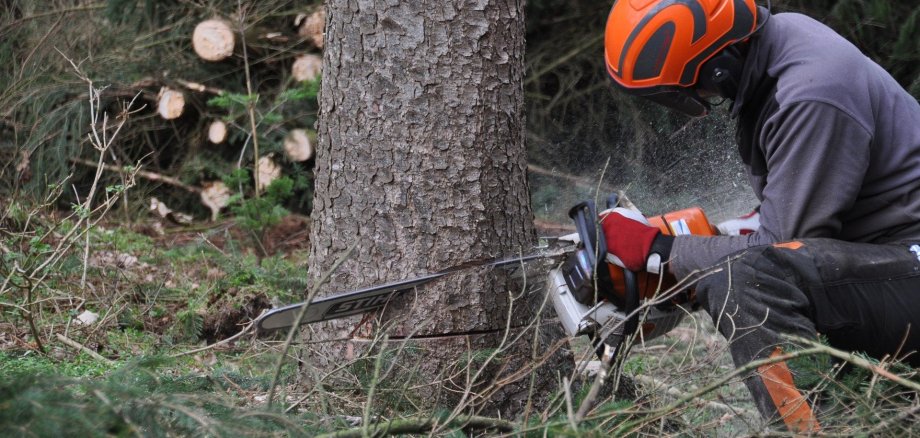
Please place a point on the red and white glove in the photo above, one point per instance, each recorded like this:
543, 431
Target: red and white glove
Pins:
741, 225
629, 239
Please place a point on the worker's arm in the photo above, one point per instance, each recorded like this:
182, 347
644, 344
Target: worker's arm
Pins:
816, 159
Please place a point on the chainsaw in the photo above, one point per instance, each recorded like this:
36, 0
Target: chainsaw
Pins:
591, 297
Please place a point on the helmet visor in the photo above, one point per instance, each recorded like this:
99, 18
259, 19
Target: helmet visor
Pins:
685, 101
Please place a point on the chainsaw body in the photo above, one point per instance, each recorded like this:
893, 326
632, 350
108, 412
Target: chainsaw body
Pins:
595, 298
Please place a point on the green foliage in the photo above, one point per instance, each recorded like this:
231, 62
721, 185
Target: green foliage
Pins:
189, 324
307, 91
13, 365
138, 47
235, 104
123, 240
259, 214
135, 399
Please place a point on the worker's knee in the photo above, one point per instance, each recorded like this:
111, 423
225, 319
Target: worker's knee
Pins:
756, 277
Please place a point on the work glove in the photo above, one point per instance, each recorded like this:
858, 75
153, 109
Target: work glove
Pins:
632, 243
741, 225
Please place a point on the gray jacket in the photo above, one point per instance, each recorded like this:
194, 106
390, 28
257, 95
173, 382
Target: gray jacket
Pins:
830, 140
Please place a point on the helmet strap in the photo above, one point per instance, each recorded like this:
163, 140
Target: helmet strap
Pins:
721, 74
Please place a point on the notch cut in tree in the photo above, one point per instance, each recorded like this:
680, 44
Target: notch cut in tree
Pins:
421, 163
213, 40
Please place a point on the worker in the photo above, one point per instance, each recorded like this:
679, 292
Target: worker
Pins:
831, 145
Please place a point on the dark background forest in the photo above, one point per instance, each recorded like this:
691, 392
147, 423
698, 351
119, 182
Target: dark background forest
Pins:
575, 120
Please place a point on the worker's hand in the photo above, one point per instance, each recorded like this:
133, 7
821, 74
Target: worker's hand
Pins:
629, 238
741, 225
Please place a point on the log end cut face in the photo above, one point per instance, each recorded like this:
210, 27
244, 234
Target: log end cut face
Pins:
213, 40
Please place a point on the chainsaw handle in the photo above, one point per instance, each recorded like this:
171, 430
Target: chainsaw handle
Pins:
612, 201
631, 280
595, 247
592, 237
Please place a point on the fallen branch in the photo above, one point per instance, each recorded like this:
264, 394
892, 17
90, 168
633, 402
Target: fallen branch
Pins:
143, 174
855, 360
242, 333
422, 426
74, 344
631, 427
297, 321
201, 88
674, 392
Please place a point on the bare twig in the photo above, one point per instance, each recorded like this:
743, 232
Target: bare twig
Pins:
577, 180
425, 425
62, 11
141, 173
670, 390
561, 60
303, 311
588, 403
71, 343
855, 360
250, 103
631, 427
246, 330
567, 387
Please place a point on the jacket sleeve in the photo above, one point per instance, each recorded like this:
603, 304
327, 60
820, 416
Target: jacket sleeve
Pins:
816, 159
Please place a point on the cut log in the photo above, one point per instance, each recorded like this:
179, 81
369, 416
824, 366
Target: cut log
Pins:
313, 27
167, 213
170, 103
297, 145
213, 40
215, 195
307, 67
268, 172
217, 132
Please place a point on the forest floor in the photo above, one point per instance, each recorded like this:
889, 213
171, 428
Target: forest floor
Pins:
150, 329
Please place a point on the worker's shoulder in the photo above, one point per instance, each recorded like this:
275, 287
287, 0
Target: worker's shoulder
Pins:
812, 63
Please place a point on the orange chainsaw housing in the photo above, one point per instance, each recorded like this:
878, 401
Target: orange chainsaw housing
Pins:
676, 223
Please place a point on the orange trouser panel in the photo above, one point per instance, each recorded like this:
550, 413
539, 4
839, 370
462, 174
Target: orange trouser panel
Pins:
795, 244
790, 403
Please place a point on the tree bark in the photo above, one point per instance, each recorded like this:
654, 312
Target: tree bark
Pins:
421, 163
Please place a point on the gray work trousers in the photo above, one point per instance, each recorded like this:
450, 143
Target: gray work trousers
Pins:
861, 297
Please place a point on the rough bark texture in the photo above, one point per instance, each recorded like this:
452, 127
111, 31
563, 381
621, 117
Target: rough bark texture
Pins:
421, 161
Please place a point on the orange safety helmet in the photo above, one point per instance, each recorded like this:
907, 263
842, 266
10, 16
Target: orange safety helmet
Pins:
656, 48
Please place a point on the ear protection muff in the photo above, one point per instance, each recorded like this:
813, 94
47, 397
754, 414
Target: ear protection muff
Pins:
721, 74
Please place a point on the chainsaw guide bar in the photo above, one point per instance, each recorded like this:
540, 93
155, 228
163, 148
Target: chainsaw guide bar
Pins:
374, 297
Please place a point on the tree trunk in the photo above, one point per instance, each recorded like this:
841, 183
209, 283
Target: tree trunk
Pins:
421, 163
